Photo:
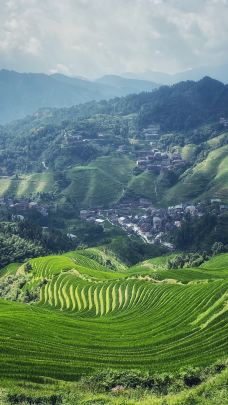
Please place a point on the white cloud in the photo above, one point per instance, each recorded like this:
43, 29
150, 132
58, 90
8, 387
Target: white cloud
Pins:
92, 37
61, 68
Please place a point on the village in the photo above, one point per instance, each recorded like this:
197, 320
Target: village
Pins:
19, 207
150, 157
135, 216
144, 148
152, 225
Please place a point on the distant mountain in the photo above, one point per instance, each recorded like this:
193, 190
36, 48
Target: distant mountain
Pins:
216, 72
127, 86
24, 93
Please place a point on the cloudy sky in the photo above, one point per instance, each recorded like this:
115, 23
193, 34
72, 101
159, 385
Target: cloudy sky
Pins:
95, 37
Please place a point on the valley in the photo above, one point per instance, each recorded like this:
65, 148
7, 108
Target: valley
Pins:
113, 250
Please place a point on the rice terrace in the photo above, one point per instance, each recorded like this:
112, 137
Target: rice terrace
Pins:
84, 317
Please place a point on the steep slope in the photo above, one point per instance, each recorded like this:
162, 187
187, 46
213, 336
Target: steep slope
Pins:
207, 179
101, 183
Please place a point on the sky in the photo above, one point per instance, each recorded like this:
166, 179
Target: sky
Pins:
95, 37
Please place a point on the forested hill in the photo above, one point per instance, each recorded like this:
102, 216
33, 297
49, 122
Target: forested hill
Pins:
23, 93
54, 149
182, 106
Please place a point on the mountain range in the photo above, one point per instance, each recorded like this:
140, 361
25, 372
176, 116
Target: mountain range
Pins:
24, 93
216, 72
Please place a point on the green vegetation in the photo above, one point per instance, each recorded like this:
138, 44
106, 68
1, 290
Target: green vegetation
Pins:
43, 155
159, 269
27, 185
120, 319
22, 240
101, 183
212, 390
207, 178
156, 324
199, 234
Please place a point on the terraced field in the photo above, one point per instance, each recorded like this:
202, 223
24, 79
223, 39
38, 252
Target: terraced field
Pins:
88, 317
210, 175
102, 182
26, 185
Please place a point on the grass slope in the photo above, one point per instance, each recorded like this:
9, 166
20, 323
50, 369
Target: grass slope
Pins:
214, 269
26, 185
101, 183
144, 185
208, 178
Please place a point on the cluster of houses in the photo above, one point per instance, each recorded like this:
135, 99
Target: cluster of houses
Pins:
75, 137
20, 207
147, 154
156, 160
151, 157
151, 224
151, 134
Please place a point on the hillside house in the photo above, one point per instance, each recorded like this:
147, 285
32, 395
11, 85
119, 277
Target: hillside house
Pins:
71, 236
216, 201
18, 217
157, 223
191, 209
20, 206
84, 214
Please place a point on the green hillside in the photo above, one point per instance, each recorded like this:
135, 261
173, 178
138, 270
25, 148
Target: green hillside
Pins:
105, 180
219, 262
208, 178
213, 269
143, 186
25, 185
102, 182
80, 147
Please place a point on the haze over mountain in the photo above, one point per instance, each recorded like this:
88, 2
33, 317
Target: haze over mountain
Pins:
216, 72
24, 93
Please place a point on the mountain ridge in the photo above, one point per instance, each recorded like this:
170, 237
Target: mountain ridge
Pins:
24, 93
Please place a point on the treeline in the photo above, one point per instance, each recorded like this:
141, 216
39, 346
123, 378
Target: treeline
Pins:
196, 259
200, 234
23, 240
133, 250
158, 384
